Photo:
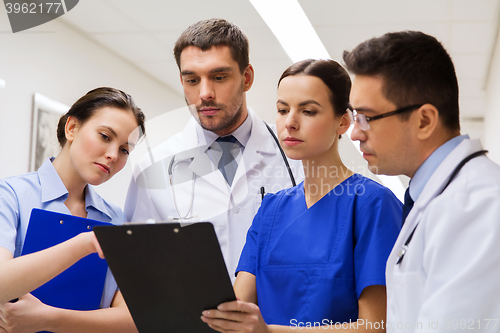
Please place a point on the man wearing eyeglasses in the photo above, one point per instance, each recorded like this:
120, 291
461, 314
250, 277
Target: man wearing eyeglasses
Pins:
444, 267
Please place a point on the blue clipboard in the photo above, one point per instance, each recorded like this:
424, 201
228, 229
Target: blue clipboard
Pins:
81, 286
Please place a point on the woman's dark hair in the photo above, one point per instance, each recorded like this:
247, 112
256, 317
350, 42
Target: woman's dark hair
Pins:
333, 75
85, 107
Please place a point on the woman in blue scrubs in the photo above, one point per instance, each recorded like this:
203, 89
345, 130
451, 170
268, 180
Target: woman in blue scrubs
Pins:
315, 254
96, 136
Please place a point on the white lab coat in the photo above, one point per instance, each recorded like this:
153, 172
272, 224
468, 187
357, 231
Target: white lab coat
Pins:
449, 277
230, 209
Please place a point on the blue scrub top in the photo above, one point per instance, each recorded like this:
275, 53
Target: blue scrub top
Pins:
44, 189
312, 264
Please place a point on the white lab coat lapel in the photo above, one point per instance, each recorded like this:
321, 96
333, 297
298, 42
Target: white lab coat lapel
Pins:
189, 144
254, 153
397, 275
440, 177
437, 182
201, 164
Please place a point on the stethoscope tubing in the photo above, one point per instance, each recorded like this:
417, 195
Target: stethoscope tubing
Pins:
171, 179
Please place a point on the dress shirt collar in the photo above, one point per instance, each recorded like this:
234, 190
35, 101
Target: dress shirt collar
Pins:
92, 199
53, 188
242, 133
426, 170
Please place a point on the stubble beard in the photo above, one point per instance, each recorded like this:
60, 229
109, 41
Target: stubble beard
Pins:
228, 118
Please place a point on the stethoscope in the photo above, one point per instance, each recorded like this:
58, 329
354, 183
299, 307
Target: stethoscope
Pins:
172, 190
404, 248
188, 216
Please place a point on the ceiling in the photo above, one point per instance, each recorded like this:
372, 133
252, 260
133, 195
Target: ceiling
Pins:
144, 32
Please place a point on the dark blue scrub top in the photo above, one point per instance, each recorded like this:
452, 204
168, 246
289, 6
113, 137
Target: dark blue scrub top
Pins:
312, 264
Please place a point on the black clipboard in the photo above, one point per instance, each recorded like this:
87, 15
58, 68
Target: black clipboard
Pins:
167, 274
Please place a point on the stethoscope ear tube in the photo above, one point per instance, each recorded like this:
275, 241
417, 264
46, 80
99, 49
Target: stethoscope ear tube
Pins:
171, 181
170, 170
172, 190
282, 154
459, 167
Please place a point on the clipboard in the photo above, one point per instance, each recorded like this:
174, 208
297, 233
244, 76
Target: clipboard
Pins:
167, 274
81, 286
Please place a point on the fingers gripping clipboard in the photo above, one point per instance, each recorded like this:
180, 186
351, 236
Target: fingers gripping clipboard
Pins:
167, 274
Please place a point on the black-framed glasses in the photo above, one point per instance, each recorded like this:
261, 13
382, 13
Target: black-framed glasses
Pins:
364, 120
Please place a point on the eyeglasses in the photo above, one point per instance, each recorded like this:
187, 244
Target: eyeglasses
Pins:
364, 120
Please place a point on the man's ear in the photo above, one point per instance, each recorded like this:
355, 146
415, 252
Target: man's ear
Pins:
345, 122
248, 76
428, 119
71, 127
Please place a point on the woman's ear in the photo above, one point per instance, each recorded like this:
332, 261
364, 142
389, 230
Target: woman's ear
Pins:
72, 126
345, 122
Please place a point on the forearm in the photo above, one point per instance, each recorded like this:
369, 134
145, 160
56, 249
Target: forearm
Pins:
21, 275
245, 287
115, 319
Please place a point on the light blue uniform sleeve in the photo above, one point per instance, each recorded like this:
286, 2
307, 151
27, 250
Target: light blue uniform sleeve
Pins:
9, 216
110, 285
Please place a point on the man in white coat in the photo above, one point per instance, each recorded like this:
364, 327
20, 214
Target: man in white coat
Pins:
443, 271
224, 161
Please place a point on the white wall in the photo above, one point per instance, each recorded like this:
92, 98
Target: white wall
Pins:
62, 64
492, 114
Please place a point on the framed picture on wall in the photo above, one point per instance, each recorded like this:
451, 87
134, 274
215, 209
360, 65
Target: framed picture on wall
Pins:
46, 114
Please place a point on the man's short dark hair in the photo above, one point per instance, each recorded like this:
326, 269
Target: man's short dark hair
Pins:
214, 32
416, 69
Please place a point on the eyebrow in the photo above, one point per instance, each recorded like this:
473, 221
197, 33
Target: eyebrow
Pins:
300, 104
221, 69
111, 130
215, 70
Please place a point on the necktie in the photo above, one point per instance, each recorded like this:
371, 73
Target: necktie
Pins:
227, 163
408, 204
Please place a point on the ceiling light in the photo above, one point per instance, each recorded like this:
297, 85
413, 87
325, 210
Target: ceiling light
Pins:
294, 31
292, 28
